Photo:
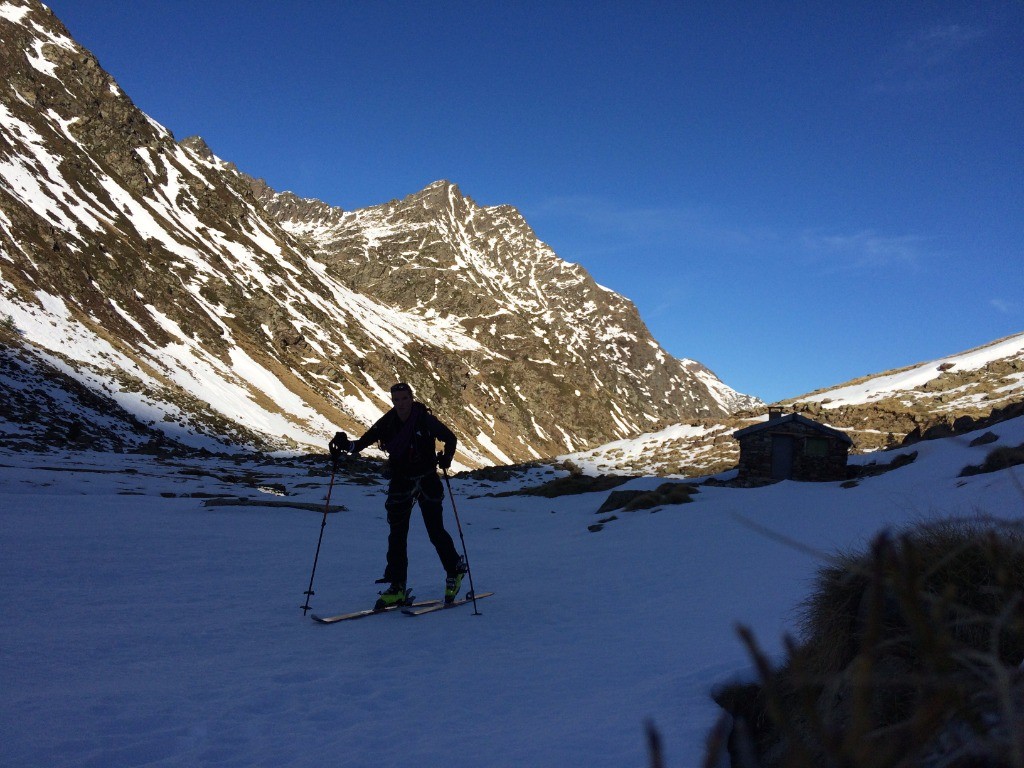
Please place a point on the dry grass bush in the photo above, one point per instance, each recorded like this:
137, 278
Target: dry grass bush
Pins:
570, 485
499, 474
873, 469
911, 654
1000, 458
664, 495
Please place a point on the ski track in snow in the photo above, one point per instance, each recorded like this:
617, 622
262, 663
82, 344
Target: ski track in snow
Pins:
144, 628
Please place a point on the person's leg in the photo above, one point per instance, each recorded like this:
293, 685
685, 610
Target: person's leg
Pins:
431, 500
399, 509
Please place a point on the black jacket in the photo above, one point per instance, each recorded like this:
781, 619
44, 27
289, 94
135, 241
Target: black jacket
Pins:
410, 445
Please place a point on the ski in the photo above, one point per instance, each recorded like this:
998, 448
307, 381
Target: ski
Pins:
414, 610
372, 612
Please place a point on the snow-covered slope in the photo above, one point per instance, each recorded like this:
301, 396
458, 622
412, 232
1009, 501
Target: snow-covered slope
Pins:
986, 375
683, 450
152, 611
570, 343
147, 271
137, 265
941, 396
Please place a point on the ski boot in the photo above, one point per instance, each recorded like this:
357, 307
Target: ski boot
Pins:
454, 581
393, 596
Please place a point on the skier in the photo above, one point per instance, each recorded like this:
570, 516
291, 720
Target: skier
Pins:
408, 433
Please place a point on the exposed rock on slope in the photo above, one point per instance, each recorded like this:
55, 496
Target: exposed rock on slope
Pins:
148, 270
956, 394
935, 398
556, 348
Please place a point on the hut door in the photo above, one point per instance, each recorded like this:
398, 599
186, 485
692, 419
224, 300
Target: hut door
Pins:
782, 457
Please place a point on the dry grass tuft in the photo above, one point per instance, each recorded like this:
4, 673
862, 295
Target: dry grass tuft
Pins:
664, 495
570, 485
911, 654
1000, 458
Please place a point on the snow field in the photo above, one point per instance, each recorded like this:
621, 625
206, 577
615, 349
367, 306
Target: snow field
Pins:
144, 628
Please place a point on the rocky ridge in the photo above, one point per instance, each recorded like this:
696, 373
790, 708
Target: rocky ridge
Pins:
152, 296
158, 277
953, 395
566, 344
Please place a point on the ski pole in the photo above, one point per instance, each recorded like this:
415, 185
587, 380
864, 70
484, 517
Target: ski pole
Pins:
323, 524
465, 554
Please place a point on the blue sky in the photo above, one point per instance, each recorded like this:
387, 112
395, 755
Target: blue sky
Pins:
795, 194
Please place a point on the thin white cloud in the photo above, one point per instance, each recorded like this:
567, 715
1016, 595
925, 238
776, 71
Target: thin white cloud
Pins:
928, 61
865, 250
1004, 307
939, 44
646, 224
605, 214
613, 228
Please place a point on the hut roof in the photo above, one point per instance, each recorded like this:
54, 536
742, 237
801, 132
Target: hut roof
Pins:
793, 418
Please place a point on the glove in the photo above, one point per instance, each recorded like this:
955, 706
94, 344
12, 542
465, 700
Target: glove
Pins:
443, 461
339, 445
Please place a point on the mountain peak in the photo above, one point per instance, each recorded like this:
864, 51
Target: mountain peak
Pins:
198, 145
439, 194
215, 309
437, 253
441, 184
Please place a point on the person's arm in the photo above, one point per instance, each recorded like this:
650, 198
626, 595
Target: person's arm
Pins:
445, 435
342, 444
372, 435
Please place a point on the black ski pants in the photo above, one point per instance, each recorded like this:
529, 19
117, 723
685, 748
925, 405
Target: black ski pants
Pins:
402, 492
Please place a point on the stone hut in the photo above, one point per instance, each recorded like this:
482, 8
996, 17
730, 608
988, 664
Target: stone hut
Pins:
792, 447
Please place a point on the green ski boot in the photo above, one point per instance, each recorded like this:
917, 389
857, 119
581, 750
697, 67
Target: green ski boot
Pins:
392, 597
453, 583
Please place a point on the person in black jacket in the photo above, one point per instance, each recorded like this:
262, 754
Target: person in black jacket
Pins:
408, 433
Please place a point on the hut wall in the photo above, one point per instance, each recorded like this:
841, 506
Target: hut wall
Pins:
816, 455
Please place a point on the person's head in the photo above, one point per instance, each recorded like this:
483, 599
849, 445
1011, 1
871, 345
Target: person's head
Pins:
401, 398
